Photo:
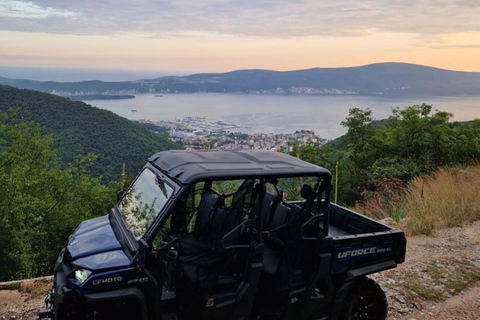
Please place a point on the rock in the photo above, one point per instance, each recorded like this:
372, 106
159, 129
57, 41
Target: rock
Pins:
401, 299
387, 221
404, 310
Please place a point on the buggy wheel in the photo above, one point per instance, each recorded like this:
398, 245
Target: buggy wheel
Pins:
366, 301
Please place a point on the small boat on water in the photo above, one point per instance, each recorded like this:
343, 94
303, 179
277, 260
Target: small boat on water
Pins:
134, 110
159, 95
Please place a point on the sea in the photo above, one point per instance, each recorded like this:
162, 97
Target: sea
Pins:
258, 113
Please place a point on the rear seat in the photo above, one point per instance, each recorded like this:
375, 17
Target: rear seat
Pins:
202, 262
268, 203
288, 258
274, 279
279, 219
274, 250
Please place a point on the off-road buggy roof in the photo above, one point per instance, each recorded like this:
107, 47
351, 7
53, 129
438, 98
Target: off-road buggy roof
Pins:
191, 166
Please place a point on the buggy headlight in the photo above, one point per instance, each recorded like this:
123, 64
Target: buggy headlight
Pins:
81, 275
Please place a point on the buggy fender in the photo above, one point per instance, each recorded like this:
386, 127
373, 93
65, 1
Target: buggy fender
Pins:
364, 270
353, 274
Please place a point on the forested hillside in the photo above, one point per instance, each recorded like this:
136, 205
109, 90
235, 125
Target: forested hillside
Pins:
79, 129
81, 86
41, 200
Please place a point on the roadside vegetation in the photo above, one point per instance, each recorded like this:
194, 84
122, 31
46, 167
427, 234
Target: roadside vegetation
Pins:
405, 167
41, 200
445, 198
60, 163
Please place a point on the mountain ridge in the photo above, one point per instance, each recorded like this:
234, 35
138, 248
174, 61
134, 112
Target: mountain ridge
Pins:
382, 79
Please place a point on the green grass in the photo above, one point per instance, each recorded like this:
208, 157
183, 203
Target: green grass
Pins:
441, 278
426, 292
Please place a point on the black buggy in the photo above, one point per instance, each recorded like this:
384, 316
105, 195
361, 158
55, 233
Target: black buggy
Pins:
225, 235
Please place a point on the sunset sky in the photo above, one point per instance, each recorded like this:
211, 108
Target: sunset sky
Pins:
187, 36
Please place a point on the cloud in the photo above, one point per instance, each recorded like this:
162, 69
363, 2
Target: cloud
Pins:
263, 18
29, 10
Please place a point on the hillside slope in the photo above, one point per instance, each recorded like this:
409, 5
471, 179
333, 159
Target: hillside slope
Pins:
72, 87
80, 129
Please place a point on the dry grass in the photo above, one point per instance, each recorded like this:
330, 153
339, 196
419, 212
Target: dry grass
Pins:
446, 198
387, 201
38, 287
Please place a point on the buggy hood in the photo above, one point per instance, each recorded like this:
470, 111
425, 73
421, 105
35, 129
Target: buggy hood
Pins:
94, 246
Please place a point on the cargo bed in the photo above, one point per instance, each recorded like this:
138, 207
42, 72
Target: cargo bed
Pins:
359, 240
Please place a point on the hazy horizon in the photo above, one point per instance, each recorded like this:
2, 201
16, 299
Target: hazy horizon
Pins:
78, 74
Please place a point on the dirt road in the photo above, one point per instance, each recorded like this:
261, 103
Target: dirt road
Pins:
438, 281
25, 301
455, 252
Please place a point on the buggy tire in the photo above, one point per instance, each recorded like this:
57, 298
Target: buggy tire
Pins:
366, 301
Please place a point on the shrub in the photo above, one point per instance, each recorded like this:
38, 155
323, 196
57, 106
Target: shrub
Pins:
445, 198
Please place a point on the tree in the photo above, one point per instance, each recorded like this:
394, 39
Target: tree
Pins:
359, 131
41, 203
313, 152
385, 155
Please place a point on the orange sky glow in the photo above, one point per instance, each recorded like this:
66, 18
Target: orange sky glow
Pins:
58, 35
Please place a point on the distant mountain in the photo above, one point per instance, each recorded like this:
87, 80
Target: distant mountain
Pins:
82, 87
80, 129
391, 79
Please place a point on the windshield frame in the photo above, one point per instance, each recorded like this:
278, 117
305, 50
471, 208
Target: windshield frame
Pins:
132, 239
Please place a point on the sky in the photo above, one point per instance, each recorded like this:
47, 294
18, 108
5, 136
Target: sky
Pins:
158, 37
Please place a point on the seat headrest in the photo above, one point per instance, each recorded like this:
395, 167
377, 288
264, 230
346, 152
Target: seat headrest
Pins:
206, 209
307, 192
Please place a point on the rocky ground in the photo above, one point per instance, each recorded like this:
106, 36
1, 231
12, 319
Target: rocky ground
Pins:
23, 300
440, 280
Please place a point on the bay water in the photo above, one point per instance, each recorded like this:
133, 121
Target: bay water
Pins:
278, 113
